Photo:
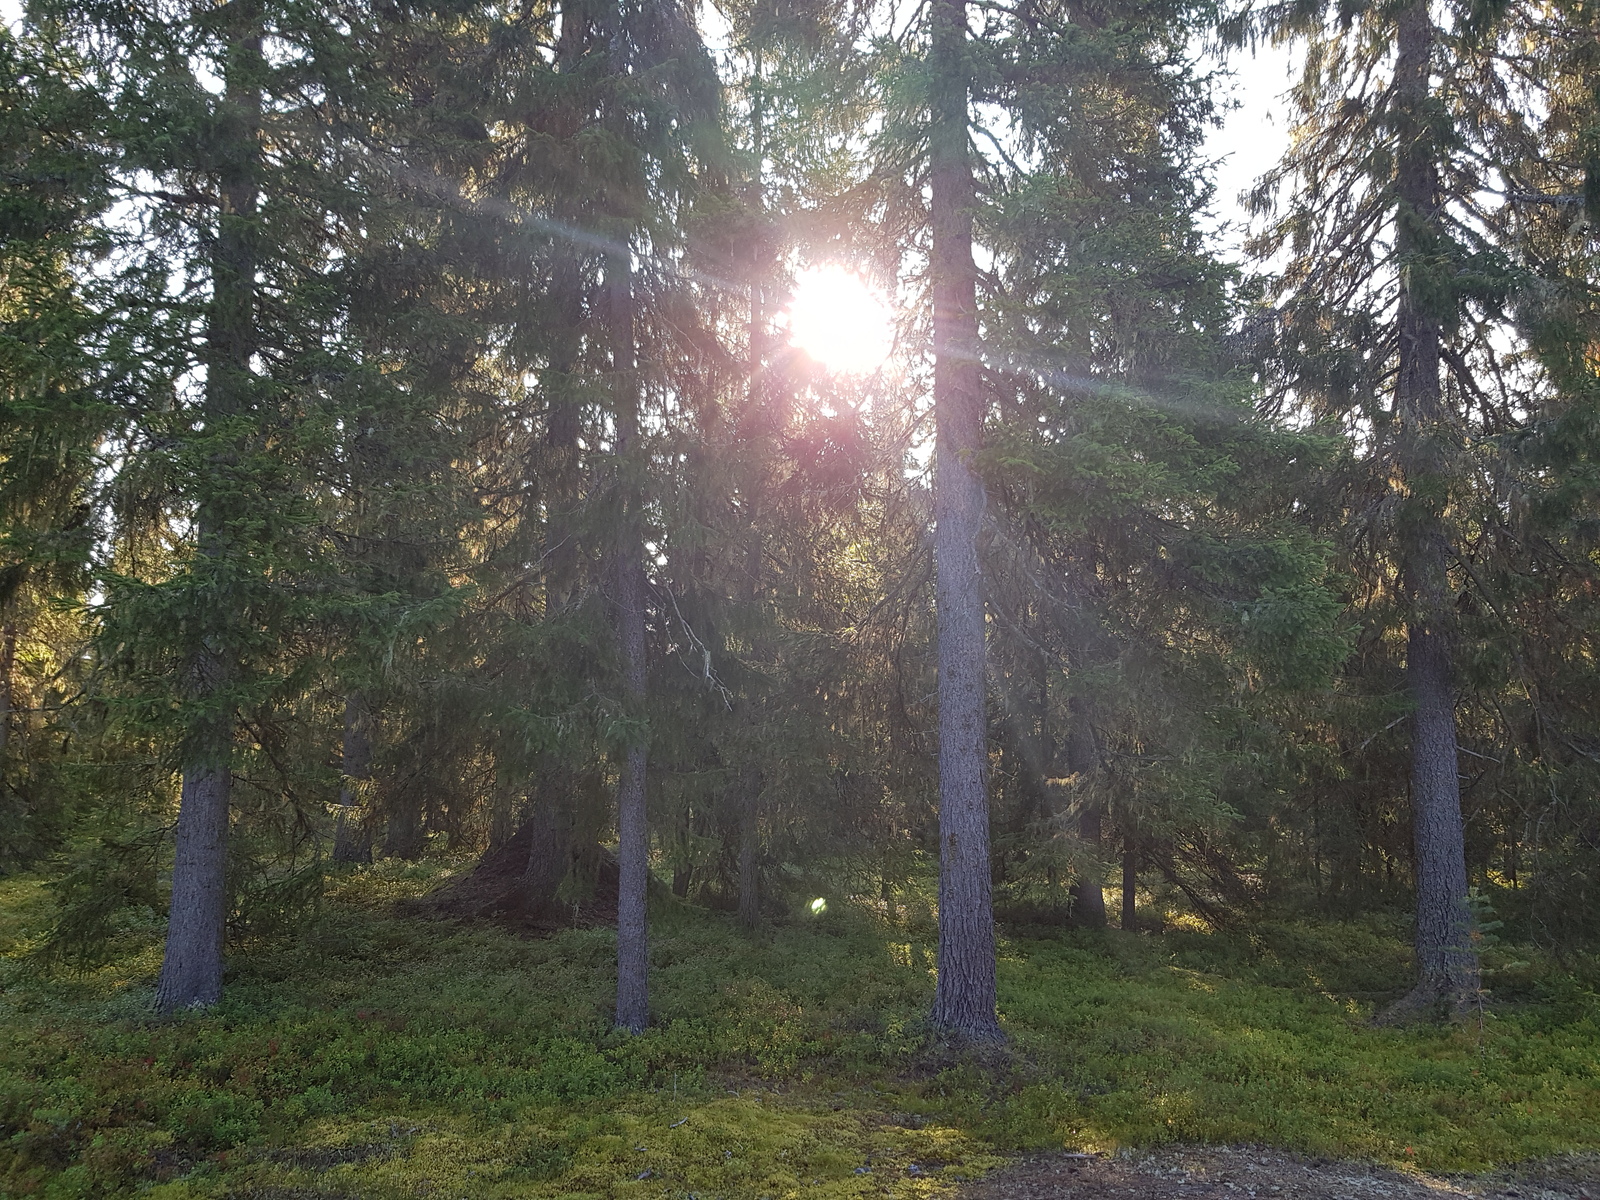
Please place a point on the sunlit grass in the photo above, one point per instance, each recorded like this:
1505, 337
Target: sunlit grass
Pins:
384, 1055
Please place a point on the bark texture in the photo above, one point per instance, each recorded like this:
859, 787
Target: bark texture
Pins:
1446, 962
633, 833
352, 835
964, 1000
191, 966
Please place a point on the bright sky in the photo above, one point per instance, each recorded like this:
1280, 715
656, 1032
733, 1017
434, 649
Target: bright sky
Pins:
1252, 137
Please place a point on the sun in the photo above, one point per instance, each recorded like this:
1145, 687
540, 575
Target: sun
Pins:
840, 320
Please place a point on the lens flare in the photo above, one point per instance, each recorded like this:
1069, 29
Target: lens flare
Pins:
818, 907
840, 320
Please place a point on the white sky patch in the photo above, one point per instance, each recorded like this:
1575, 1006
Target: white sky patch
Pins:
1252, 137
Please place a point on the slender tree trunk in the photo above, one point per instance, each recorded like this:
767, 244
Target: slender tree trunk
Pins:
8, 665
964, 1000
1083, 755
1447, 964
749, 784
633, 833
352, 835
1130, 878
191, 966
755, 429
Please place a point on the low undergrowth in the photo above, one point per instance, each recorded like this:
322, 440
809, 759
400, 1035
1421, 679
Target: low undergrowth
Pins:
381, 1055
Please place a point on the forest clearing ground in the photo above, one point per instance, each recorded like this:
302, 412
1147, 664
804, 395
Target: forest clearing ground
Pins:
377, 1053
1258, 1173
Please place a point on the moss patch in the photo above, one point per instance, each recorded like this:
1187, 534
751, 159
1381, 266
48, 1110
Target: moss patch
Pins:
381, 1055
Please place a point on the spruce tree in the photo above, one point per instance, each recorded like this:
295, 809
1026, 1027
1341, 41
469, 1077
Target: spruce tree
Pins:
1388, 322
964, 1003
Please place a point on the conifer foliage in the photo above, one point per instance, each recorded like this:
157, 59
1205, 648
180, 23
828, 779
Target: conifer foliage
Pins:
405, 452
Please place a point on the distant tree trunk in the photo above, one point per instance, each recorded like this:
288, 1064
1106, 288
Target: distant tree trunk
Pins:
633, 832
404, 836
1083, 756
749, 800
756, 426
352, 835
964, 1000
502, 816
8, 665
1446, 963
550, 843
1130, 877
191, 965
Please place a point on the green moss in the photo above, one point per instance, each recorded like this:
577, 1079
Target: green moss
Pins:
377, 1055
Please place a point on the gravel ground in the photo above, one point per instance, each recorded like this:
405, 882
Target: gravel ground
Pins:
1250, 1173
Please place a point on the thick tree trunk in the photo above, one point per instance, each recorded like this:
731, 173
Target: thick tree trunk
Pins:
191, 966
1447, 964
964, 1000
352, 835
633, 833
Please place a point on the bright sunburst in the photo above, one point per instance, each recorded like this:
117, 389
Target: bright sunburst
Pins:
840, 320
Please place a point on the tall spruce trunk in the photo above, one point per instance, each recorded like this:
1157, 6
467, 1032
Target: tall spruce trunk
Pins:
352, 834
550, 794
748, 780
964, 999
1446, 962
191, 965
549, 809
633, 833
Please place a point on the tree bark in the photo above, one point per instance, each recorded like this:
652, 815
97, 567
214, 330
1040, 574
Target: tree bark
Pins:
191, 966
964, 999
633, 833
352, 835
1446, 962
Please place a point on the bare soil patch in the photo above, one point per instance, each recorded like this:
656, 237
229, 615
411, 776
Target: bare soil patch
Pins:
1252, 1173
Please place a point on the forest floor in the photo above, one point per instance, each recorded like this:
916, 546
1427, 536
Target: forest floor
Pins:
1258, 1173
381, 1051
